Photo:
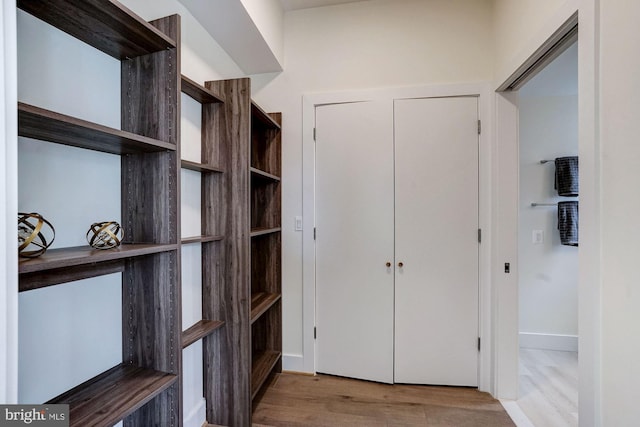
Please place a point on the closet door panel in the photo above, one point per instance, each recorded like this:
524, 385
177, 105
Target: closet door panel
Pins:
354, 222
436, 221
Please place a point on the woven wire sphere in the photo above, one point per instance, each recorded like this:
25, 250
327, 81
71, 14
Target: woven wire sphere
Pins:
35, 234
105, 235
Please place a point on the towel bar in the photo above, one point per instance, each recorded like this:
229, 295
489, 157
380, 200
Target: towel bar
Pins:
534, 204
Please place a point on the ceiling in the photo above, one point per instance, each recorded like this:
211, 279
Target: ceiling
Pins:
307, 4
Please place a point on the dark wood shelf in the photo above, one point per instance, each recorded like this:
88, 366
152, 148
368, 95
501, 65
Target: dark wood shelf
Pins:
38, 123
199, 167
201, 239
199, 331
106, 25
260, 174
261, 231
262, 117
199, 92
80, 255
263, 363
261, 302
111, 396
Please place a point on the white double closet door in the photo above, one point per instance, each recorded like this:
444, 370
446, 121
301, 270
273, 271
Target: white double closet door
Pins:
396, 247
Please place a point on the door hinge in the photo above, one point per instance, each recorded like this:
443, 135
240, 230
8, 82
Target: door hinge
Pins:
479, 127
315, 335
479, 235
478, 343
314, 134
314, 233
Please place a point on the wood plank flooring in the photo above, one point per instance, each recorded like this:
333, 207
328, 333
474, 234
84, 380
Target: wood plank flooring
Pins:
310, 401
549, 387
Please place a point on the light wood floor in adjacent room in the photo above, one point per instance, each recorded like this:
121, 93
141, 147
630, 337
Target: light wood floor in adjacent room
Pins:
549, 387
301, 400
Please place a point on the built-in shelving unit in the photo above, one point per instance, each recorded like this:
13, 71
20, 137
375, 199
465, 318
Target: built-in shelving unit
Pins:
251, 289
216, 249
113, 395
144, 389
266, 276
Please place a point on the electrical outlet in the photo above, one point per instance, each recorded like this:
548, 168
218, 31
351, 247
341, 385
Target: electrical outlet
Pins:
537, 237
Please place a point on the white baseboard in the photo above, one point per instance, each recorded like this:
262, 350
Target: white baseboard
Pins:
519, 418
293, 362
197, 415
549, 341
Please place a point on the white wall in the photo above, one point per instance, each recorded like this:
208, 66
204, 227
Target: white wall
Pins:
548, 272
8, 201
516, 25
380, 43
619, 109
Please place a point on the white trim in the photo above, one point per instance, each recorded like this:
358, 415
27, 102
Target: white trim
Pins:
505, 203
485, 107
549, 341
9, 203
197, 416
293, 363
589, 254
515, 412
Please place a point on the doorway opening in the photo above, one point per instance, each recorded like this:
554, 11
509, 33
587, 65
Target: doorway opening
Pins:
547, 254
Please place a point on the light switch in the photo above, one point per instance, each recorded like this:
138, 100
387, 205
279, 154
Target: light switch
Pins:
537, 237
298, 223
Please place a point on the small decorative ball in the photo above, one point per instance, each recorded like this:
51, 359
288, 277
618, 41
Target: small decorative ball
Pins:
35, 234
105, 235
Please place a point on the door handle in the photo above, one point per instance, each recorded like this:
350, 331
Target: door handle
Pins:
388, 264
400, 264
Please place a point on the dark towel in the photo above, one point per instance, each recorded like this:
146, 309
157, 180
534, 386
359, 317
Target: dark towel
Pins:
567, 176
568, 222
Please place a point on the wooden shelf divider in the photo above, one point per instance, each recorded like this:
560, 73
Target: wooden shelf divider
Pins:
200, 330
261, 302
263, 363
39, 123
262, 117
201, 239
111, 396
104, 24
80, 255
199, 92
257, 173
199, 167
255, 232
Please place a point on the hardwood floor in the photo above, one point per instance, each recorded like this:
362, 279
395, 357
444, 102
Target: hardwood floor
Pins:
549, 387
310, 401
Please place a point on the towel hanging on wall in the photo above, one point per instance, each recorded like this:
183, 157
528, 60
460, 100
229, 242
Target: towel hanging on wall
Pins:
567, 176
568, 222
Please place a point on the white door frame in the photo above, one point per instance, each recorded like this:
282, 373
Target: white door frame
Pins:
485, 109
505, 316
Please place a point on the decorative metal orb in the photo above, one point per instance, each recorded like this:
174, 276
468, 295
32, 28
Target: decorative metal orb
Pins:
105, 235
35, 234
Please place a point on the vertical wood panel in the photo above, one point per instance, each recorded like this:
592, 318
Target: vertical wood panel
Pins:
228, 352
150, 186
